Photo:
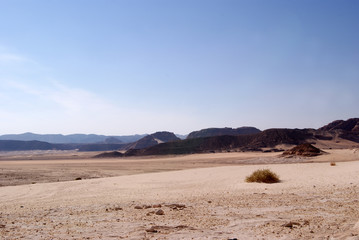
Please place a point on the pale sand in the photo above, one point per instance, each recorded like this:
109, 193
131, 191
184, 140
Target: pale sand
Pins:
322, 199
39, 167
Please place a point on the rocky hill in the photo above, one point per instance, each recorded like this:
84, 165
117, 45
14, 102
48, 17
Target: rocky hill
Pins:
152, 140
305, 150
276, 136
210, 132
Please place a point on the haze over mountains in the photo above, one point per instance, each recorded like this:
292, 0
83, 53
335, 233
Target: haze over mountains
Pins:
205, 140
72, 138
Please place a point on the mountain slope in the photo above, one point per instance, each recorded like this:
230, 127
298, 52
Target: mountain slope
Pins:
350, 125
153, 139
346, 129
210, 132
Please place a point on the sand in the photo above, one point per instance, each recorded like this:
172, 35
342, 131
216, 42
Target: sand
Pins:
314, 200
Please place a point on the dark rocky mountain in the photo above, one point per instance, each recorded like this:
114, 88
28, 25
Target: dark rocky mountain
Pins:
211, 132
249, 142
276, 136
152, 140
346, 129
350, 125
72, 138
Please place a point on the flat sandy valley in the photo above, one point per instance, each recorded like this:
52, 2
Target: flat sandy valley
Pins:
200, 196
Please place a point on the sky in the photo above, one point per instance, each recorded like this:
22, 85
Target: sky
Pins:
120, 67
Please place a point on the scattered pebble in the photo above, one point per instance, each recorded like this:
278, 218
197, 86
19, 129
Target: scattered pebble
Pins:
291, 224
160, 212
176, 206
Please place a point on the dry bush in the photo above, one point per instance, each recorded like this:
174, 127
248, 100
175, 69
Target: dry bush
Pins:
333, 164
263, 176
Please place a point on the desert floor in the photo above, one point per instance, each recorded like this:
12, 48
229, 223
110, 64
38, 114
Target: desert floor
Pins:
202, 196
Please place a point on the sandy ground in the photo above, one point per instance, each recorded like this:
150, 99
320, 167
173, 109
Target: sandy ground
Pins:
55, 166
40, 167
313, 201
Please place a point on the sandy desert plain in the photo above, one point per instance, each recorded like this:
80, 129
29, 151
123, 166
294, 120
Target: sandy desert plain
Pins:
198, 196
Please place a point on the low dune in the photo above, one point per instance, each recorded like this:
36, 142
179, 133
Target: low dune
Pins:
312, 201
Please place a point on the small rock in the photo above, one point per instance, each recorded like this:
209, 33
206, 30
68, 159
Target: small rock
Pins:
152, 230
2, 225
176, 206
160, 212
157, 206
138, 207
291, 224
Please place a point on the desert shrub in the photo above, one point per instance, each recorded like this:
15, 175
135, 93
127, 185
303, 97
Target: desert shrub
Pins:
263, 176
333, 164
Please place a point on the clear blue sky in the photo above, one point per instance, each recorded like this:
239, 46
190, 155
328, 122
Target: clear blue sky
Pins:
140, 66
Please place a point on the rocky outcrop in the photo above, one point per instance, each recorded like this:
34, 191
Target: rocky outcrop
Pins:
305, 150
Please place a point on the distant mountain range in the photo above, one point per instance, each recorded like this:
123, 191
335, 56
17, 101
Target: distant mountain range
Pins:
205, 140
72, 138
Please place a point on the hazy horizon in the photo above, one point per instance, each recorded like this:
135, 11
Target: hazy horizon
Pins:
135, 67
144, 133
